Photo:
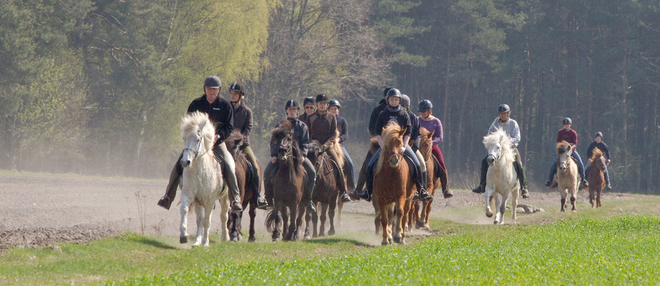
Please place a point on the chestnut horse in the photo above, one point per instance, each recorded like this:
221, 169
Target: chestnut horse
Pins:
393, 188
596, 177
567, 176
326, 189
246, 184
286, 185
433, 182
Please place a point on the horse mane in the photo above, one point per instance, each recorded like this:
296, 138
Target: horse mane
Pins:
505, 141
425, 140
192, 123
234, 142
340, 153
390, 136
563, 147
596, 153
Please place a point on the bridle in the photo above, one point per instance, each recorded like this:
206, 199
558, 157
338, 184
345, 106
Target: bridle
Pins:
196, 150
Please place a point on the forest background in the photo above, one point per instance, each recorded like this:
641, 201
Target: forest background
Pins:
99, 87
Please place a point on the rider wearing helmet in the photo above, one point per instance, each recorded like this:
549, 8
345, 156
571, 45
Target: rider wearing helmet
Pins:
323, 128
570, 136
433, 124
243, 122
377, 110
511, 128
220, 113
394, 112
301, 135
309, 108
342, 126
598, 143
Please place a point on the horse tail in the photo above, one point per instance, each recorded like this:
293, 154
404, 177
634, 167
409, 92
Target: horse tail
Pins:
272, 219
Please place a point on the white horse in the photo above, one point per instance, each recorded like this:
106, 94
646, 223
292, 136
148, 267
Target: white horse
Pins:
501, 179
567, 177
202, 182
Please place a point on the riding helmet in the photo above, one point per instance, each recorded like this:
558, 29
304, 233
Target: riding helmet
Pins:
599, 134
308, 100
291, 103
405, 100
237, 87
321, 98
424, 105
212, 82
386, 90
334, 102
393, 92
503, 108
566, 120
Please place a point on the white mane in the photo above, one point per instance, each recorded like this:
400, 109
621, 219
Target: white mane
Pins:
198, 122
505, 141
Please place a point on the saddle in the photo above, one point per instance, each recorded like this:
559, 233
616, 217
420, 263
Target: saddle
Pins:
411, 166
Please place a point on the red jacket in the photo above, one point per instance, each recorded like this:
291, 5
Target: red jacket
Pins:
569, 136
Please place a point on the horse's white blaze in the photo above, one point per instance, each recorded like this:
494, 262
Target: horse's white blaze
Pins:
501, 179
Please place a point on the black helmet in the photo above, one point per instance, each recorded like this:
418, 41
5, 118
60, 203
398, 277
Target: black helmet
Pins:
599, 134
334, 102
393, 92
405, 100
566, 120
386, 90
308, 100
291, 103
424, 105
503, 108
237, 87
321, 98
212, 82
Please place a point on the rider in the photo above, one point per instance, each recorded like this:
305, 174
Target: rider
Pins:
570, 136
598, 143
511, 128
377, 110
301, 135
221, 114
308, 105
342, 126
243, 122
323, 128
433, 124
394, 112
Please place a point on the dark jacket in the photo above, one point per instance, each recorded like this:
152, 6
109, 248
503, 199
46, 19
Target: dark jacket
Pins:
374, 116
400, 115
342, 126
601, 146
415, 134
220, 112
303, 117
300, 134
322, 127
243, 122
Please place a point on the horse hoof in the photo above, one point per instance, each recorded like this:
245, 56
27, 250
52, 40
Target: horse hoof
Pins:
384, 242
183, 239
234, 239
397, 239
489, 214
389, 240
331, 232
252, 239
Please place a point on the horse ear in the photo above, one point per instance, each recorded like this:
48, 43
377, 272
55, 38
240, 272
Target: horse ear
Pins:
431, 135
403, 131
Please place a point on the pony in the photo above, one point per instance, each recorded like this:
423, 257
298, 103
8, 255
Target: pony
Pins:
393, 188
326, 188
201, 183
501, 179
433, 182
246, 184
596, 177
567, 177
286, 185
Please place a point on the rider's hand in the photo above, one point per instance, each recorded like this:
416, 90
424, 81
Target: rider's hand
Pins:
403, 149
608, 161
273, 160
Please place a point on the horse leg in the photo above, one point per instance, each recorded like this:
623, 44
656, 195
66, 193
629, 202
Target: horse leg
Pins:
419, 219
199, 210
564, 194
399, 221
331, 214
591, 196
498, 209
185, 206
324, 216
224, 216
574, 197
426, 214
407, 205
383, 223
514, 204
340, 204
308, 224
232, 226
300, 213
600, 191
208, 210
252, 213
315, 217
502, 209
488, 197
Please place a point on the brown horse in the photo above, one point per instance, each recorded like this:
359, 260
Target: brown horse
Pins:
596, 177
286, 185
433, 182
246, 184
393, 189
326, 189
567, 177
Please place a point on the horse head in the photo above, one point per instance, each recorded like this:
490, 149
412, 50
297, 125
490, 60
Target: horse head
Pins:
197, 133
498, 145
426, 143
314, 151
393, 141
564, 151
597, 159
234, 143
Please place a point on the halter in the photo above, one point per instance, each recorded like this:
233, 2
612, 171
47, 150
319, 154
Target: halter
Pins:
398, 155
196, 150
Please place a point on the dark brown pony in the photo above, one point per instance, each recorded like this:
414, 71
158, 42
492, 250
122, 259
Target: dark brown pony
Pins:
245, 187
596, 177
433, 182
286, 185
326, 190
362, 178
393, 189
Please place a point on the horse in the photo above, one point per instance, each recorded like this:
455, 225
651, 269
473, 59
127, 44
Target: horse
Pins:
596, 177
202, 183
287, 185
501, 179
246, 184
433, 182
393, 188
567, 177
326, 188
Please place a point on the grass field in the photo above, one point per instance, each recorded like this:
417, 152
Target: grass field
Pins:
615, 245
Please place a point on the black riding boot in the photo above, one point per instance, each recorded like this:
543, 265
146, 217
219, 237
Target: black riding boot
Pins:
421, 186
170, 192
366, 194
520, 171
481, 188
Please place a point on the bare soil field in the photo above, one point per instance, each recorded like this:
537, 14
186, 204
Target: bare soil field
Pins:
40, 210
